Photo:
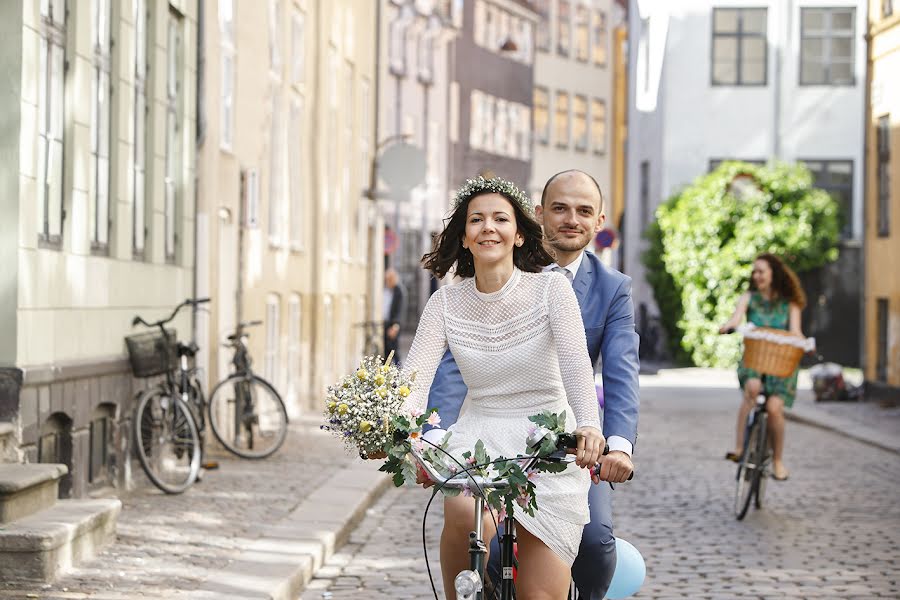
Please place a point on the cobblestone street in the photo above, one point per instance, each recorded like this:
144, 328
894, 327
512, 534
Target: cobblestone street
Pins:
831, 531
171, 546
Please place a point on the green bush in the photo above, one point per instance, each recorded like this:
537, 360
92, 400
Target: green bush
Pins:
705, 238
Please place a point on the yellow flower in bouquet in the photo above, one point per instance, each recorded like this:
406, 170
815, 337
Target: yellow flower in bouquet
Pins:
360, 408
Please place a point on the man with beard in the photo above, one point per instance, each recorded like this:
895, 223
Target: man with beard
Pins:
571, 212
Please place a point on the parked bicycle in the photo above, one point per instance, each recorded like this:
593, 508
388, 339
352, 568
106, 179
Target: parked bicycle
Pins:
166, 436
471, 584
246, 413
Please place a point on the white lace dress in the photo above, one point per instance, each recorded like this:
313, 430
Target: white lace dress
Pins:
520, 350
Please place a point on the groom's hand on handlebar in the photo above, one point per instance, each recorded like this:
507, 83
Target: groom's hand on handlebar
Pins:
616, 467
590, 446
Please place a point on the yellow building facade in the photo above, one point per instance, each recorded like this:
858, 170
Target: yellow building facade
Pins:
882, 236
283, 225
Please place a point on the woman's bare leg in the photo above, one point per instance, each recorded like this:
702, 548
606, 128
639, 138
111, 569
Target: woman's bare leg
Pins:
775, 408
542, 574
459, 520
752, 389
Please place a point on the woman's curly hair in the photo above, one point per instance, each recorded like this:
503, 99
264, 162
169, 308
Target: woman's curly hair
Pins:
785, 283
448, 251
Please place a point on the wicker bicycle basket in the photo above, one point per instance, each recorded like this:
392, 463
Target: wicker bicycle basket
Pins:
769, 357
147, 353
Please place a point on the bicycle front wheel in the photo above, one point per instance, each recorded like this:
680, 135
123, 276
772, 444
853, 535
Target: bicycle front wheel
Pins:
166, 441
247, 416
748, 472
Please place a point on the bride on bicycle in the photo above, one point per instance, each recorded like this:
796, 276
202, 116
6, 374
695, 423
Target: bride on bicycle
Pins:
517, 336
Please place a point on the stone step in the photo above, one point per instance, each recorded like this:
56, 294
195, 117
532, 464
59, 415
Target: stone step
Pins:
27, 489
7, 443
43, 545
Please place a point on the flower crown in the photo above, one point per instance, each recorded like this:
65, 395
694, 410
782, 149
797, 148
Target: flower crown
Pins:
499, 186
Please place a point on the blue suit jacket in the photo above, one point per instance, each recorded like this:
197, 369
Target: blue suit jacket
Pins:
607, 310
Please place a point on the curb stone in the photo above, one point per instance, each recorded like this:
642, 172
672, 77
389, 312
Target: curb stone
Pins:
279, 564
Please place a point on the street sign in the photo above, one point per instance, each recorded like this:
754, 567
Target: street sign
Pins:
605, 238
402, 167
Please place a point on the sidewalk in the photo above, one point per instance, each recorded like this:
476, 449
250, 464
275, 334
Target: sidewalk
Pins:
866, 421
251, 529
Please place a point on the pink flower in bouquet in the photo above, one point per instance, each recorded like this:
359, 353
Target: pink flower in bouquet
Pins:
416, 413
434, 419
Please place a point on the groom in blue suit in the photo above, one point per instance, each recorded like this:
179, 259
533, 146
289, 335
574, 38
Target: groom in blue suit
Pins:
571, 212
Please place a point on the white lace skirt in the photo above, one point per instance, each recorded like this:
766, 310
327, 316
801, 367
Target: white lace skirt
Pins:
562, 498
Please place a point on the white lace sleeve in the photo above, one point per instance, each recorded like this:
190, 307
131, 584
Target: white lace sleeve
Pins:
427, 349
571, 346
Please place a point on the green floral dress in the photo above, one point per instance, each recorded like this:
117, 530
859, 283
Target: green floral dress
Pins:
775, 314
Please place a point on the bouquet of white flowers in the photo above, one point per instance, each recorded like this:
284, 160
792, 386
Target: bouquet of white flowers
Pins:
360, 408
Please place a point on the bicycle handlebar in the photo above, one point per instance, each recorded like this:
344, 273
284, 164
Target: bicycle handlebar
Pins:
138, 320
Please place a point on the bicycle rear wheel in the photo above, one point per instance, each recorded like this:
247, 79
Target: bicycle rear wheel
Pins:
166, 441
748, 472
247, 416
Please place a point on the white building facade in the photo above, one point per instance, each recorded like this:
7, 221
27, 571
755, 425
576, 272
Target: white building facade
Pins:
757, 81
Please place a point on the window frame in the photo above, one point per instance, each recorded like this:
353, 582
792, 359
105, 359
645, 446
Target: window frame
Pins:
583, 143
599, 38
827, 36
276, 216
296, 172
826, 185
174, 123
559, 142
581, 26
599, 149
564, 27
887, 8
739, 35
883, 175
541, 135
544, 33
51, 124
101, 126
141, 112
228, 77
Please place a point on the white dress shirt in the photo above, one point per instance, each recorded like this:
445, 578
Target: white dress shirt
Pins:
615, 442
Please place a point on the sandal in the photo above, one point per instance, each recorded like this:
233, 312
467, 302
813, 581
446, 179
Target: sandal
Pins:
732, 457
784, 477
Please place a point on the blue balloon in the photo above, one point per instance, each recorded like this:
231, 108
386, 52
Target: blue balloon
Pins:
630, 571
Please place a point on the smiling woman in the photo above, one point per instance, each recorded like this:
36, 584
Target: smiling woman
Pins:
450, 250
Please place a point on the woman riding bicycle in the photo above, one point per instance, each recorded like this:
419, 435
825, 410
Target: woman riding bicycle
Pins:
517, 337
775, 300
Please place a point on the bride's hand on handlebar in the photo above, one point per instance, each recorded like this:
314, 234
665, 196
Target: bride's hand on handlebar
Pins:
590, 446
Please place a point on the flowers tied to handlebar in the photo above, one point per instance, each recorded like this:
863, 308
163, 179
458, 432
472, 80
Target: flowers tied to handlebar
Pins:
365, 411
361, 409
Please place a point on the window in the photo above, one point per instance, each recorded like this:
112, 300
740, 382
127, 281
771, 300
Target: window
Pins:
883, 175
488, 103
397, 40
251, 198
887, 8
836, 178
739, 51
582, 34
50, 121
600, 37
296, 173
276, 173
349, 152
298, 49
645, 194
541, 115
100, 134
426, 50
543, 25
598, 126
227, 49
881, 353
139, 220
476, 106
826, 46
294, 344
333, 209
564, 28
479, 32
580, 106
100, 433
273, 332
524, 132
562, 119
500, 130
174, 89
365, 132
275, 37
